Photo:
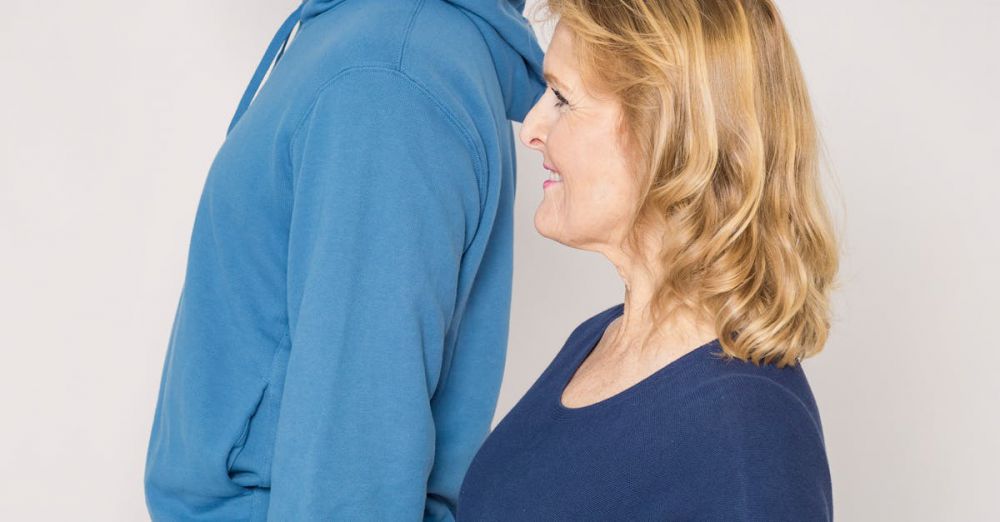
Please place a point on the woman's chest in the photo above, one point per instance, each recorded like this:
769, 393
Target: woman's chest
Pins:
558, 466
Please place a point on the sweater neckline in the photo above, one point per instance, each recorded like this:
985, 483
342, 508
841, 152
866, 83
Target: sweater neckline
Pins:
673, 367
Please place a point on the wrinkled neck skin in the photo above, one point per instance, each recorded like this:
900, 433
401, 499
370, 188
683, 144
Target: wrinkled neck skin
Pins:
635, 336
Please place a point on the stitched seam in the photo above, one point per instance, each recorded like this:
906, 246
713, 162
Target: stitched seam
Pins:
485, 185
463, 132
406, 33
309, 108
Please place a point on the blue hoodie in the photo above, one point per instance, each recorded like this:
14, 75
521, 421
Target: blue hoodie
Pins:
340, 337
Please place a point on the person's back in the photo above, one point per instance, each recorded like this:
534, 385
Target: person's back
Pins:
340, 338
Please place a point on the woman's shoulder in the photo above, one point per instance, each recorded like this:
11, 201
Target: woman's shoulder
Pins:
736, 390
759, 444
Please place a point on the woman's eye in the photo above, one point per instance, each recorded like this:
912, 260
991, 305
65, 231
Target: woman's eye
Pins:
562, 101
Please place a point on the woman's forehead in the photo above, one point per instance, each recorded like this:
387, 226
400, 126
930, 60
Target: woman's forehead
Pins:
558, 62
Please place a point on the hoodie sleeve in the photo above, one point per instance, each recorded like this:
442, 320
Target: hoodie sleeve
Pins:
385, 198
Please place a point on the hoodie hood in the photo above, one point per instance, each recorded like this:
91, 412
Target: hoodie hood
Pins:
516, 54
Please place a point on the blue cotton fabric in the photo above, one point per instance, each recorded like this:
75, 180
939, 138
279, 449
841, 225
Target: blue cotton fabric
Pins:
340, 337
702, 438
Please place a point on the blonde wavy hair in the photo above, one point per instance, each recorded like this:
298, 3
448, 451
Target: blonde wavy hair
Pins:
717, 123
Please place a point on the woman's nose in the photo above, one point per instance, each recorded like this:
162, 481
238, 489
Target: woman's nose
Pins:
532, 134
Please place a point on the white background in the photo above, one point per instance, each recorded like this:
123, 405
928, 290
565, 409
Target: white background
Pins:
111, 112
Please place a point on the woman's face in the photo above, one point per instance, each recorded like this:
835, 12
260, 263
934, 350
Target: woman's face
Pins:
576, 133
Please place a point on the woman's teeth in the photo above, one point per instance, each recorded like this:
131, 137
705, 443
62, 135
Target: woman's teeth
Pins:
555, 177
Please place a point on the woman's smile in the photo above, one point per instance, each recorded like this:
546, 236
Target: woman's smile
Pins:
554, 176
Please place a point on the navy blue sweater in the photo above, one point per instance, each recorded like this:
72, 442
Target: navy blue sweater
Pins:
702, 438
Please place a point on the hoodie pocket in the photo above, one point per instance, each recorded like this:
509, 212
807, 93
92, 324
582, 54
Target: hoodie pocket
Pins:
240, 443
249, 461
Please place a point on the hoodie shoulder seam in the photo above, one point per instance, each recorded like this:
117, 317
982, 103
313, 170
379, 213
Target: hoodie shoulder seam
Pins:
466, 135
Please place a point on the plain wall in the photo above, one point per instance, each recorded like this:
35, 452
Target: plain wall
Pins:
111, 112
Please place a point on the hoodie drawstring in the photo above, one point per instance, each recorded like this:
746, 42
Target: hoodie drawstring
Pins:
273, 53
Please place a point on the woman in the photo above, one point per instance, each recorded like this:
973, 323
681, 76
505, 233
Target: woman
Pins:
682, 146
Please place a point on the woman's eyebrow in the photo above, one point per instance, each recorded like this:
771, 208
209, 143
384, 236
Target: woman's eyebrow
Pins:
551, 78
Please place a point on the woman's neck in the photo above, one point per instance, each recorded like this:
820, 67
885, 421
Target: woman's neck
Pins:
635, 333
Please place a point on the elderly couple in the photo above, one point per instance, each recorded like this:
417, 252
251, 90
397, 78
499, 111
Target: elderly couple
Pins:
340, 337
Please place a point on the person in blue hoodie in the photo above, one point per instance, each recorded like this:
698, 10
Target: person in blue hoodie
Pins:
340, 336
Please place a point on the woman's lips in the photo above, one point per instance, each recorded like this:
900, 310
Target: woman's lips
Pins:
550, 181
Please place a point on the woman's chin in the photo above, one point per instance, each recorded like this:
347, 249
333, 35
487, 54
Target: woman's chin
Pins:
549, 229
543, 226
